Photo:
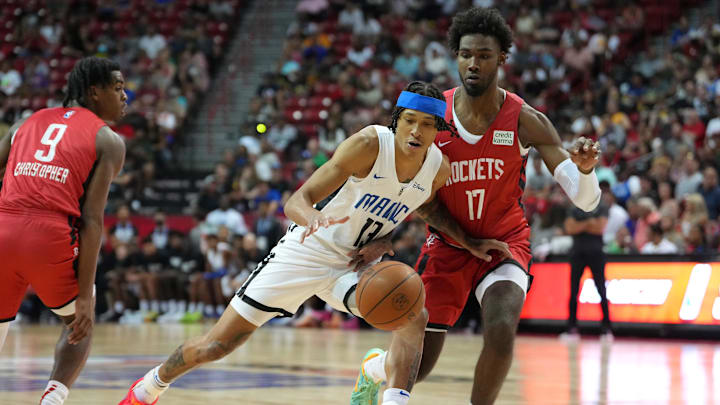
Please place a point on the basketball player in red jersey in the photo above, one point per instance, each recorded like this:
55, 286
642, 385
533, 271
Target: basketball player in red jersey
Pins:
58, 165
478, 238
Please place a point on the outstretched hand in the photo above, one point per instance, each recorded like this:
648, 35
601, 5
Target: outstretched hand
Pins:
320, 220
585, 154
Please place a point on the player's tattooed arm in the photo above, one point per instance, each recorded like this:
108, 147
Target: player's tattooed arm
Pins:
435, 214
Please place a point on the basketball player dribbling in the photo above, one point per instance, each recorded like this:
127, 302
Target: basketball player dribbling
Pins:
58, 165
478, 236
383, 174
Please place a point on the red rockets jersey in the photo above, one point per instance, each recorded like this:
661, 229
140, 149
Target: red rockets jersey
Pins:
487, 178
52, 155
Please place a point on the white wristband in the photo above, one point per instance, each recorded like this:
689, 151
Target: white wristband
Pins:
582, 189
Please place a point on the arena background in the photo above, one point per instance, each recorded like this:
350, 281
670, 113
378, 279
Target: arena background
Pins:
234, 103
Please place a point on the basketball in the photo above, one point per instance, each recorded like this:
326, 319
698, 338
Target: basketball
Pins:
389, 295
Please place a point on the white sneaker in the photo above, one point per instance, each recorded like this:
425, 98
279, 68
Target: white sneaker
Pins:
571, 336
607, 337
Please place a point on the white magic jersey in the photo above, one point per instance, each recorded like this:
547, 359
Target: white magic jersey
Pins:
376, 205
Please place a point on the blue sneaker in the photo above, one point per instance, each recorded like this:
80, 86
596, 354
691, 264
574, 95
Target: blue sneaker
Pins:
366, 390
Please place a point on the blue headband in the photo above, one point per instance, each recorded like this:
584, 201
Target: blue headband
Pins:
422, 103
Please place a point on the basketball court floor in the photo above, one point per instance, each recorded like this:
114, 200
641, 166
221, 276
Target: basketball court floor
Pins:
318, 367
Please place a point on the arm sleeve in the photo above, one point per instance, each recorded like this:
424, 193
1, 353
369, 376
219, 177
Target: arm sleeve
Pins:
582, 189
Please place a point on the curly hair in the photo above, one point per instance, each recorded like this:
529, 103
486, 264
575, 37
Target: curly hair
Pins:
90, 71
425, 89
484, 21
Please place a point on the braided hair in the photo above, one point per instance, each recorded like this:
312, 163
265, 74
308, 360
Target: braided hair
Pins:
90, 71
425, 89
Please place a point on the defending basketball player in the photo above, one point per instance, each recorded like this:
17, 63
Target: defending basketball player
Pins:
478, 236
58, 165
383, 174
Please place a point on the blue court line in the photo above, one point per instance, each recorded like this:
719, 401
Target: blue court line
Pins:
119, 376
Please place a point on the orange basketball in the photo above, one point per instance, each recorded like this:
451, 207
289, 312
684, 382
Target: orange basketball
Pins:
389, 295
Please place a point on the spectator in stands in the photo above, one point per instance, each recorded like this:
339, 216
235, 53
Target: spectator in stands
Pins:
671, 230
151, 265
226, 216
117, 264
696, 241
123, 231
617, 216
695, 213
160, 234
152, 43
350, 16
331, 136
647, 216
268, 228
407, 63
10, 79
182, 263
713, 126
622, 244
281, 133
217, 265
359, 53
710, 192
657, 244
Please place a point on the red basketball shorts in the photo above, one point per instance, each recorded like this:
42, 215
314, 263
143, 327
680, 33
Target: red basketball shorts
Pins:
39, 251
450, 274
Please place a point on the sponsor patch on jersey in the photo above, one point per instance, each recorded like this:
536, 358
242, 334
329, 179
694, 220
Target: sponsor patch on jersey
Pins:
68, 114
506, 138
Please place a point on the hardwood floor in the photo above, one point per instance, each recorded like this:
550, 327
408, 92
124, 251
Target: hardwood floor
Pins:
313, 366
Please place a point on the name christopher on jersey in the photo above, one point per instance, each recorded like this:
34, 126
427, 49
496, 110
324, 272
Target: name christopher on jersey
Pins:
475, 169
34, 169
381, 207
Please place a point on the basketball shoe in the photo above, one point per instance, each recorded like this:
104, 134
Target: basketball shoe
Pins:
130, 397
366, 390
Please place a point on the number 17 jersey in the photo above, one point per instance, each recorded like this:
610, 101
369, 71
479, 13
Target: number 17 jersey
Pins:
487, 178
51, 159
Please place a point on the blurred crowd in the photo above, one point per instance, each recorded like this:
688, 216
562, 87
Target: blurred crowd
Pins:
168, 51
636, 75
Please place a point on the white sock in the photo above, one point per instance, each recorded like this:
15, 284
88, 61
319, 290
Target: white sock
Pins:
192, 307
119, 307
172, 306
164, 306
144, 305
182, 306
155, 306
219, 309
375, 368
55, 393
150, 387
395, 396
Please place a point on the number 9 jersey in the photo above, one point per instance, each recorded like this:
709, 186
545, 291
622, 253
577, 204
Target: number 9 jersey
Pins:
51, 158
